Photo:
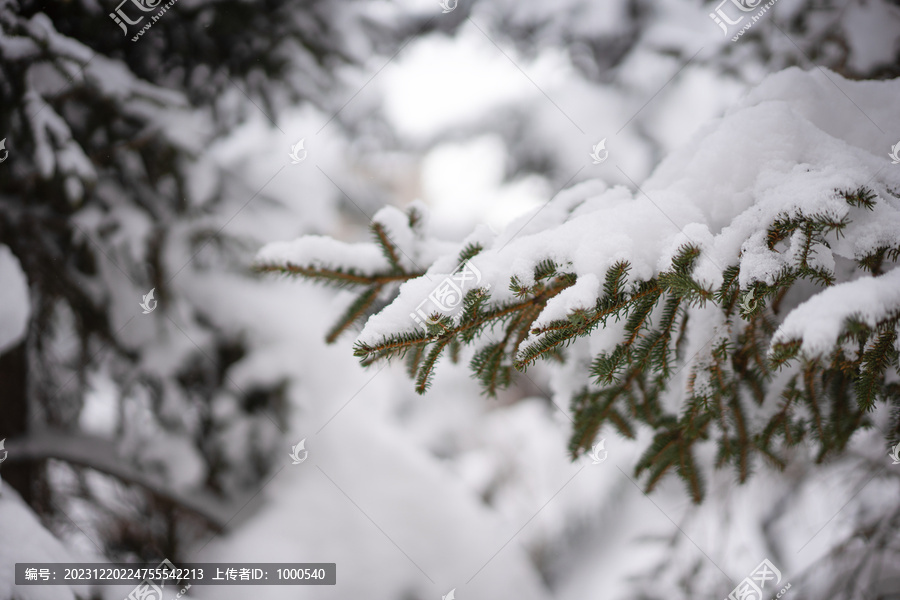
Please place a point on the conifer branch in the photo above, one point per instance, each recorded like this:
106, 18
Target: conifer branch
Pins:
353, 313
387, 246
336, 277
823, 401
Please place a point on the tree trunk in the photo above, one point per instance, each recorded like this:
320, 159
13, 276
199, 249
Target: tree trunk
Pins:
14, 417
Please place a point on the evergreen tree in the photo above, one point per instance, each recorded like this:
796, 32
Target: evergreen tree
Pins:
106, 195
606, 47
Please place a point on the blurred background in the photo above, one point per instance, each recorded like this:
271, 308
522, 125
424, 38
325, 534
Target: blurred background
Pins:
140, 427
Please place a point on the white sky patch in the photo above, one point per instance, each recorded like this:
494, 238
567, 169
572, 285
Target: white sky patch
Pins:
438, 81
463, 184
100, 413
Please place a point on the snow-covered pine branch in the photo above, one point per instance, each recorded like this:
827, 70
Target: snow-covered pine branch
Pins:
708, 304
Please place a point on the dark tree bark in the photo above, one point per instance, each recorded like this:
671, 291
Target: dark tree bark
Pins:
14, 417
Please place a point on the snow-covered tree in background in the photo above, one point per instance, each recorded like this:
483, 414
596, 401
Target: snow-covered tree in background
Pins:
616, 55
110, 190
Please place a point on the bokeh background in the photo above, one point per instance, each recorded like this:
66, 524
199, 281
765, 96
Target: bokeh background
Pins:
163, 163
